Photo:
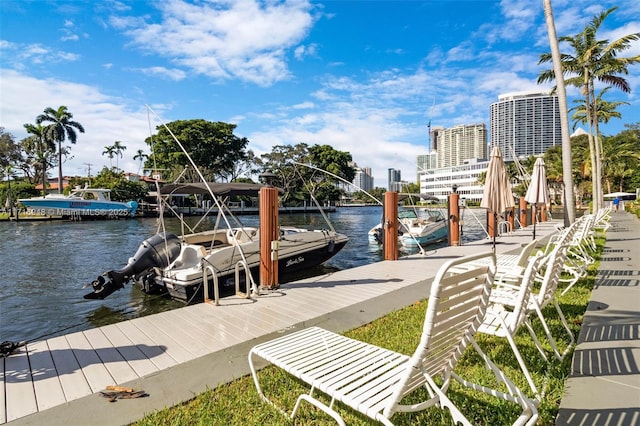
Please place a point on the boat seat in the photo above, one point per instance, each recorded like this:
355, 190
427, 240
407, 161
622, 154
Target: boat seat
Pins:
190, 256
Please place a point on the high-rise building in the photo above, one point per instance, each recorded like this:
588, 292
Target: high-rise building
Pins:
434, 136
525, 124
461, 143
363, 179
395, 180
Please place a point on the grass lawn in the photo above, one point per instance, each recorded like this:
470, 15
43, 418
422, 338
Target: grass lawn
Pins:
238, 403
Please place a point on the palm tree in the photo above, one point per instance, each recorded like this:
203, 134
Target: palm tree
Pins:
62, 127
605, 110
141, 157
569, 199
42, 144
594, 60
110, 152
118, 148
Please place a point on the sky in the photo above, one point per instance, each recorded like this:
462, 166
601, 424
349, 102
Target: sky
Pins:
366, 77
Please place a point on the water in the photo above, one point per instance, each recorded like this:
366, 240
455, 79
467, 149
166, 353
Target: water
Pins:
44, 266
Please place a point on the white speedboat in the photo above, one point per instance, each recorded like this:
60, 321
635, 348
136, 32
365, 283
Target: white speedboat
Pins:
178, 264
81, 202
414, 231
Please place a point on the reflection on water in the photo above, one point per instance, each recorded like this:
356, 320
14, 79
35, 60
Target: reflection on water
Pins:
46, 264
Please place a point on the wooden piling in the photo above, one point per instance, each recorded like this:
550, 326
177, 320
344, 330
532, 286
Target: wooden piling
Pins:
390, 225
454, 219
523, 212
269, 237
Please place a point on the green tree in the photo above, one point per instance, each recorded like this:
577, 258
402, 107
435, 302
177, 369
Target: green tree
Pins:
39, 146
9, 150
109, 151
141, 157
621, 159
605, 110
118, 148
62, 127
594, 60
121, 188
302, 171
283, 161
213, 147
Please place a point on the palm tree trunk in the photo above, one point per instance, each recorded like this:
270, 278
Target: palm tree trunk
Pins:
59, 167
43, 160
567, 170
595, 178
598, 148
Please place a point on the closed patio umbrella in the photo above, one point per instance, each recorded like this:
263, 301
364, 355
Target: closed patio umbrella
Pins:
538, 192
497, 196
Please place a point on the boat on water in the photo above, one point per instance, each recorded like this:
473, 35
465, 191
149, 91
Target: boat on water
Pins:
227, 256
414, 231
81, 202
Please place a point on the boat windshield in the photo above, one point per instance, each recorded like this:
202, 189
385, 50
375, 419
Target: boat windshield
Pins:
407, 214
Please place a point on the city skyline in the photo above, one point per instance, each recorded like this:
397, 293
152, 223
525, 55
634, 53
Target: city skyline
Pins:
365, 77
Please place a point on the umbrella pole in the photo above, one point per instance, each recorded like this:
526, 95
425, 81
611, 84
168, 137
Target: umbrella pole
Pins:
495, 221
533, 219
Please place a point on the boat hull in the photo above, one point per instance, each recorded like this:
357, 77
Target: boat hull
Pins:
183, 280
437, 234
62, 207
193, 292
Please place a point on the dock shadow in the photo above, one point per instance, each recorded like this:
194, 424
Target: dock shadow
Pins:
603, 417
27, 366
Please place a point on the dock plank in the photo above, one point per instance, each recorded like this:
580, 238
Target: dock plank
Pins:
3, 411
97, 375
113, 361
20, 396
156, 353
74, 383
130, 351
162, 339
46, 382
189, 339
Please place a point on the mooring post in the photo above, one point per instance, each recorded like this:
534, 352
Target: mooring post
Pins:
523, 212
492, 226
269, 237
390, 225
454, 219
511, 218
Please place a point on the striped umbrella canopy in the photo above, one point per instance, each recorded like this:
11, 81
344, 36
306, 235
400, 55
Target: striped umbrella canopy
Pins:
538, 192
497, 196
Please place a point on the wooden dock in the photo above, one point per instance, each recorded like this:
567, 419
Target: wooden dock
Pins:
177, 354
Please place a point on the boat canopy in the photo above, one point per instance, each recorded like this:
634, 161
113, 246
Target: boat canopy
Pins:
220, 189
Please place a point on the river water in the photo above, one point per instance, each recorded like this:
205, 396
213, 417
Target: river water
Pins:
44, 266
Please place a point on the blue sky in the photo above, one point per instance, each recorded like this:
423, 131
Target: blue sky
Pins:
363, 76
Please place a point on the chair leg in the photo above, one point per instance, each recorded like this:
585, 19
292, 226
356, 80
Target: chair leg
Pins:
310, 399
559, 356
529, 414
523, 366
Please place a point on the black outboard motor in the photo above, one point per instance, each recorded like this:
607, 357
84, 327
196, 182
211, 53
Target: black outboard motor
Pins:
155, 252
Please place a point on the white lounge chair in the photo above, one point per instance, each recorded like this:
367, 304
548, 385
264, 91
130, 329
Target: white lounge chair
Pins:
374, 380
507, 312
552, 267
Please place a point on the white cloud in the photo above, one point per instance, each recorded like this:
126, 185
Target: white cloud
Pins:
104, 118
162, 72
245, 39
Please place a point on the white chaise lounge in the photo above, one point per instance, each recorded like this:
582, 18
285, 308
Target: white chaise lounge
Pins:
373, 380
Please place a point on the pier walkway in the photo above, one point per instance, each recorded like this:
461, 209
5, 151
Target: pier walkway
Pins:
604, 384
175, 355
